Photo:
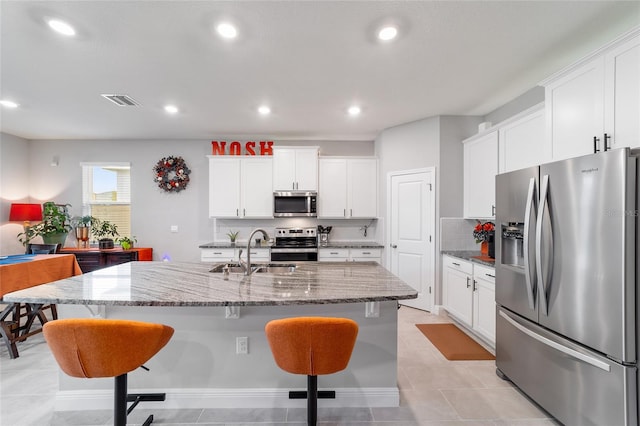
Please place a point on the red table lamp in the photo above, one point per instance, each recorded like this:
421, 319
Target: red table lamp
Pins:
25, 213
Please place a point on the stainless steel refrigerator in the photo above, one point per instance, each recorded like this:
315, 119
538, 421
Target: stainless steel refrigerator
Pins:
566, 279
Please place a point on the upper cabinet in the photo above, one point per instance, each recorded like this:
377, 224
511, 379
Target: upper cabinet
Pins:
348, 188
480, 170
595, 105
240, 187
295, 169
521, 141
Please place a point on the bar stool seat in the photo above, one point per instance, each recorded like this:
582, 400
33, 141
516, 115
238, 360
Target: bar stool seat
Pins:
91, 347
312, 346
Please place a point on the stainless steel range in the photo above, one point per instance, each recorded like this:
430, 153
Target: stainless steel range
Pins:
295, 244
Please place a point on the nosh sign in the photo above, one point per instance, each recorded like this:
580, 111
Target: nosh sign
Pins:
235, 148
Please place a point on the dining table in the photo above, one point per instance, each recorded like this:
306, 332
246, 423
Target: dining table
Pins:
18, 272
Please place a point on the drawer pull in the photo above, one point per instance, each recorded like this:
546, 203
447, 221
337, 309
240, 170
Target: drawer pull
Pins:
334, 252
366, 252
217, 252
457, 264
489, 275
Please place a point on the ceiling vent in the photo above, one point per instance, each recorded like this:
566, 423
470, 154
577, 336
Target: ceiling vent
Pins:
121, 100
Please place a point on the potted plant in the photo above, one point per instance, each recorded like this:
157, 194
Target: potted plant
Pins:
104, 231
232, 236
127, 243
82, 225
55, 225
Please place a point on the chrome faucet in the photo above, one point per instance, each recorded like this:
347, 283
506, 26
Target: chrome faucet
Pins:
247, 265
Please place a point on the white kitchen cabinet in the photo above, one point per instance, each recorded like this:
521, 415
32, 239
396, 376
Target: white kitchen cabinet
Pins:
348, 188
350, 255
295, 169
597, 97
221, 255
457, 289
484, 302
480, 169
216, 255
521, 141
622, 94
469, 295
240, 187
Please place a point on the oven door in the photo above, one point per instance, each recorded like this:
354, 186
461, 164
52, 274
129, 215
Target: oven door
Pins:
293, 254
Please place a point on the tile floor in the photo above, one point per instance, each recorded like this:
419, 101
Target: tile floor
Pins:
433, 391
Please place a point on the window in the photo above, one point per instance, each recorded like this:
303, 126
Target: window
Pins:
106, 193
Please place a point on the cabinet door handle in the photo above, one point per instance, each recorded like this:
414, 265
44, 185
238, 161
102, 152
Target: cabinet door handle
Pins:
344, 212
595, 144
350, 212
244, 212
237, 212
394, 246
468, 279
493, 210
606, 138
475, 285
489, 275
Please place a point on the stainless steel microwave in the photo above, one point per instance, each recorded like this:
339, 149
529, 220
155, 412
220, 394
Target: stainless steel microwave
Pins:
294, 204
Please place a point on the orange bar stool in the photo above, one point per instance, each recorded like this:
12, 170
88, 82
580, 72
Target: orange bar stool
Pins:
91, 347
312, 346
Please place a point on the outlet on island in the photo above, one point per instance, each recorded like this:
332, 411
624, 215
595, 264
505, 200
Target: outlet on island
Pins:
242, 345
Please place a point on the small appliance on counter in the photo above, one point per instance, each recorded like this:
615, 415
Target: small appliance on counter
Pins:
323, 235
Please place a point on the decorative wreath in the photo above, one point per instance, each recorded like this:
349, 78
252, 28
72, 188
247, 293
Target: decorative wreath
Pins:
172, 174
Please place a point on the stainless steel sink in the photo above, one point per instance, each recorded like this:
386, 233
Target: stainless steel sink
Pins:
268, 268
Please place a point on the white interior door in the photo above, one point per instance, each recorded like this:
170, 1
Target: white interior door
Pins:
411, 239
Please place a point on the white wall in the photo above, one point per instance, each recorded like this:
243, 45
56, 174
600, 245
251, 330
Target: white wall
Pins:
14, 187
431, 142
153, 211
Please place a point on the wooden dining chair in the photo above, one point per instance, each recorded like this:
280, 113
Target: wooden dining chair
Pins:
312, 346
92, 347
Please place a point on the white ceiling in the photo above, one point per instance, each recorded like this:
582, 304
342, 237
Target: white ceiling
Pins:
309, 60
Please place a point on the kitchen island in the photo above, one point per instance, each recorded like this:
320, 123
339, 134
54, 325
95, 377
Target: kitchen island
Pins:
200, 368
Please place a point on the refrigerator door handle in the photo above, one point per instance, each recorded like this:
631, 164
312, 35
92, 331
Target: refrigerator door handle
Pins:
527, 263
557, 346
544, 189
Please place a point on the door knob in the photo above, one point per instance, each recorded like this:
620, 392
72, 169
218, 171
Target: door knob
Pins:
394, 246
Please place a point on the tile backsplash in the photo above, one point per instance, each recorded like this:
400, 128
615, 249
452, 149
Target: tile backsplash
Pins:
456, 233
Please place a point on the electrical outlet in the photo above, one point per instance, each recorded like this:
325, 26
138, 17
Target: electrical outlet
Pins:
242, 345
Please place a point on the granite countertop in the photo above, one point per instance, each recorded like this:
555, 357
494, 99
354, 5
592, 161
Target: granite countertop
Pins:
227, 244
351, 244
191, 284
472, 256
337, 244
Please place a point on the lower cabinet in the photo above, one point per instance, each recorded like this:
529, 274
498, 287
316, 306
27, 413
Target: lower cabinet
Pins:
469, 295
350, 255
217, 255
93, 259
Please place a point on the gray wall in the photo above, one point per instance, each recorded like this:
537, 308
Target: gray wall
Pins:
526, 100
14, 187
153, 211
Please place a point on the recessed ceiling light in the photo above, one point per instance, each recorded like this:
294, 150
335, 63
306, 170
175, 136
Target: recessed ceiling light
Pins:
227, 30
354, 110
8, 104
61, 27
171, 109
387, 33
264, 110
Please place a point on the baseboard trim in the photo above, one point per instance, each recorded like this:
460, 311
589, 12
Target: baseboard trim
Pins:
230, 398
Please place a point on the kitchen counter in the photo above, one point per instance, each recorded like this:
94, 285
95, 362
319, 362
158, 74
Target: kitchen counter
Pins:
191, 284
200, 366
470, 255
227, 244
352, 244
